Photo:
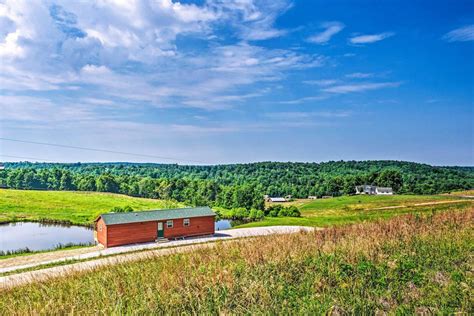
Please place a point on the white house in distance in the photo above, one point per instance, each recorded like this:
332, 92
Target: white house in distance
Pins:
372, 189
383, 191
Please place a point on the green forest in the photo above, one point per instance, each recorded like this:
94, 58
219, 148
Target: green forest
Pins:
236, 185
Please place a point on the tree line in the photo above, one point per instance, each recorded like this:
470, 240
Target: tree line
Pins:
191, 192
236, 185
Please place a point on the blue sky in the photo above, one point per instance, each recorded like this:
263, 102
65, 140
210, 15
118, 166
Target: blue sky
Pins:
238, 81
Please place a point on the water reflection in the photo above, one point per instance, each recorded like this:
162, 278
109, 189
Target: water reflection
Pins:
42, 236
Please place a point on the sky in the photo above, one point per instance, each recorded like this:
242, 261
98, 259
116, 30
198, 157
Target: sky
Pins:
230, 81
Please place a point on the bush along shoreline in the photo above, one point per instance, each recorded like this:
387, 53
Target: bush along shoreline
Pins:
253, 215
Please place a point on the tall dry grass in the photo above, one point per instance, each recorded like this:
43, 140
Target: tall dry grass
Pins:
410, 264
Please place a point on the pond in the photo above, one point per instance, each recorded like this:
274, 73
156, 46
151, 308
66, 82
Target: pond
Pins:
40, 236
224, 224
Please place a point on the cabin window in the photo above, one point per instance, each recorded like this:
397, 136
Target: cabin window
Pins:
100, 227
186, 222
169, 224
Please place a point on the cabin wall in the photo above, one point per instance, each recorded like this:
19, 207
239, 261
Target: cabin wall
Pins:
101, 232
198, 226
131, 233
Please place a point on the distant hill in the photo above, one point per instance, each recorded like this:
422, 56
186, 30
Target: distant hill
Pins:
202, 184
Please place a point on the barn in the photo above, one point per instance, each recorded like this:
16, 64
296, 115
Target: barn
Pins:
116, 229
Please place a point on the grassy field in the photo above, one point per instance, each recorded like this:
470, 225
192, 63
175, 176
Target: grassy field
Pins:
353, 209
371, 268
75, 207
83, 207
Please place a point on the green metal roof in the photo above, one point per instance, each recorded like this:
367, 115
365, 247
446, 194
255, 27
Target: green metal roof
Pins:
156, 215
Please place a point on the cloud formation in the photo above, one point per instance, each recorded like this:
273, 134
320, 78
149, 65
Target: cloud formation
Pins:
331, 29
322, 82
128, 52
360, 75
370, 38
360, 87
252, 20
462, 34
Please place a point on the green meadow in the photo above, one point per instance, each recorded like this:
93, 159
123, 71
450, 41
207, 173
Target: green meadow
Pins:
74, 207
358, 208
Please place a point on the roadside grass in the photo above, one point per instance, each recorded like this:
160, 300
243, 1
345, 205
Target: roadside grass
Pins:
406, 265
79, 208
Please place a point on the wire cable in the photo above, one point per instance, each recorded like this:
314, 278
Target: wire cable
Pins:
99, 150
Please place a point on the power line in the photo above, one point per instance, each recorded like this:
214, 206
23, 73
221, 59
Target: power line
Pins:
98, 150
21, 157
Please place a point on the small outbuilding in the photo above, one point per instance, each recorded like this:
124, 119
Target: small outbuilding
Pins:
116, 229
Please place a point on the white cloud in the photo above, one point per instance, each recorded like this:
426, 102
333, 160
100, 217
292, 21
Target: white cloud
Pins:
305, 99
254, 20
331, 29
360, 75
370, 38
361, 87
306, 115
322, 82
462, 34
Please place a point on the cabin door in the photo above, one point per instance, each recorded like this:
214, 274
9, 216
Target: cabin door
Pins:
160, 230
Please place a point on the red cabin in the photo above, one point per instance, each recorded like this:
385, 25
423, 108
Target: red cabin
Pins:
116, 229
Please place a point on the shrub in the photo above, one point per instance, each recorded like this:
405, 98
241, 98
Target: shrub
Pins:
118, 209
273, 213
239, 213
293, 211
281, 211
273, 210
256, 214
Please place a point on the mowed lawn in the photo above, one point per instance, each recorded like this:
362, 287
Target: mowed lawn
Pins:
352, 209
76, 207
